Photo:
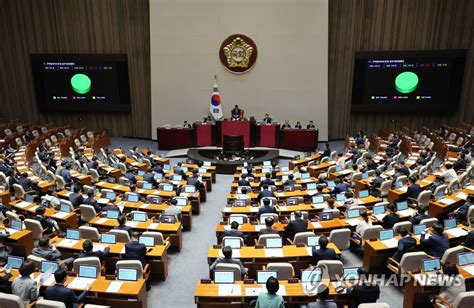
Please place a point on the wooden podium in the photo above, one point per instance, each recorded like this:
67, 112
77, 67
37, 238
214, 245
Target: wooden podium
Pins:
233, 143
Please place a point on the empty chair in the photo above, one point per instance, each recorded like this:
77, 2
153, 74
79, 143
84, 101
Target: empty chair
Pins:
12, 216
424, 198
411, 261
371, 232
90, 233
398, 225
355, 176
230, 267
335, 212
87, 212
35, 227
43, 303
451, 254
60, 183
262, 239
10, 301
302, 237
385, 188
284, 269
272, 215
401, 179
19, 191
245, 218
233, 238
334, 268
428, 222
121, 236
94, 175
440, 189
90, 261
51, 176
158, 236
341, 238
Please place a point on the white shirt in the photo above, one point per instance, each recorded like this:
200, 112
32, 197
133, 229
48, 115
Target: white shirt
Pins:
449, 175
341, 161
362, 225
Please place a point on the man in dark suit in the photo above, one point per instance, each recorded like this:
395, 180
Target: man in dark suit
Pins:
111, 207
404, 169
236, 113
267, 119
46, 223
268, 227
234, 231
310, 125
365, 291
340, 187
135, 250
88, 247
469, 241
267, 180
461, 212
26, 182
266, 208
66, 173
129, 175
461, 162
149, 178
59, 292
122, 220
405, 244
327, 150
75, 197
243, 180
414, 189
419, 215
291, 181
391, 218
265, 193
90, 200
371, 164
437, 243
324, 253
286, 125
295, 226
378, 180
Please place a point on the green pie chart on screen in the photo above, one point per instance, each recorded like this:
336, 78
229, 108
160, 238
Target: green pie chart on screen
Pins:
81, 83
406, 82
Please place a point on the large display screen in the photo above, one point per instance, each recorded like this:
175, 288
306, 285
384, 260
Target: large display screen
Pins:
408, 81
81, 82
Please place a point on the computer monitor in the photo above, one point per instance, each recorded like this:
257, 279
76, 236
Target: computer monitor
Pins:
112, 214
206, 163
147, 186
292, 201
224, 277
110, 195
450, 223
308, 275
168, 188
148, 241
141, 217
177, 177
16, 225
127, 274
158, 176
49, 266
73, 234
240, 203
88, 271
238, 219
108, 238
353, 213
15, 262
379, 209
311, 186
166, 167
185, 169
312, 240
331, 184
274, 243
363, 193
267, 163
262, 276
234, 243
190, 189
325, 216
402, 205
418, 229
317, 199
284, 178
305, 176
285, 169
386, 235
365, 175
266, 170
132, 198
338, 168
64, 207
398, 184
465, 258
341, 197
29, 198
351, 273
431, 265
154, 199
141, 173
181, 201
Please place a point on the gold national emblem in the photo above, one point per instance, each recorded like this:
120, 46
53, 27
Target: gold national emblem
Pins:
238, 53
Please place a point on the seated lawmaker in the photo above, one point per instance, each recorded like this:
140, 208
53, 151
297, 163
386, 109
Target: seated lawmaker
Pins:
122, 221
236, 113
437, 243
243, 180
75, 197
270, 299
90, 200
310, 125
327, 150
187, 125
268, 180
290, 182
296, 226
286, 125
391, 218
450, 291
49, 252
135, 250
324, 253
234, 231
268, 227
298, 125
267, 119
88, 251
365, 291
323, 296
227, 258
59, 292
265, 193
266, 208
414, 189
419, 215
405, 244
461, 212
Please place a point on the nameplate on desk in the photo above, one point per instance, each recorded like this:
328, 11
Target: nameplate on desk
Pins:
274, 252
114, 287
229, 290
317, 225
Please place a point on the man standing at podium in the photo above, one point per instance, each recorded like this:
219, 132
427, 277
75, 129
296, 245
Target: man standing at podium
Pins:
237, 113
267, 119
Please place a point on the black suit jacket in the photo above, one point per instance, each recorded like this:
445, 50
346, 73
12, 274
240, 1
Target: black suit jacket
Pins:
269, 182
364, 294
295, 226
406, 244
243, 183
233, 233
266, 209
324, 254
61, 293
389, 220
413, 191
135, 251
76, 199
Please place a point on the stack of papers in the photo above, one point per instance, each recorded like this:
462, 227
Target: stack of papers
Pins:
470, 187
274, 252
10, 230
407, 212
67, 243
447, 201
99, 247
320, 206
60, 214
23, 204
114, 286
253, 291
353, 222
229, 290
102, 200
283, 208
317, 225
80, 283
457, 232
391, 243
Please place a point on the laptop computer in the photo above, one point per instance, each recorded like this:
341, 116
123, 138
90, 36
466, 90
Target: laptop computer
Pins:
141, 217
132, 198
127, 274
234, 243
177, 177
262, 276
285, 169
440, 195
238, 219
112, 214
350, 273
64, 207
311, 186
108, 238
331, 184
148, 241
189, 189
284, 178
274, 243
353, 213
305, 176
363, 193
168, 188
49, 266
402, 205
181, 201
311, 276
386, 235
88, 271
398, 184
431, 265
73, 234
450, 223
365, 175
141, 173
326, 216
338, 168
166, 167
341, 197
418, 229
266, 170
16, 225
312, 241
29, 198
465, 258
379, 209
158, 176
110, 195
226, 277
147, 186
15, 262
317, 199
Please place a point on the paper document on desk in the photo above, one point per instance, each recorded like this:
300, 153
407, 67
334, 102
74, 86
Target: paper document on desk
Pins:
114, 287
144, 205
353, 222
101, 221
229, 290
10, 230
404, 189
23, 204
259, 227
317, 225
457, 232
407, 212
274, 252
132, 224
67, 243
311, 192
470, 187
153, 226
469, 269
281, 290
391, 243
309, 251
99, 247
461, 195
227, 209
48, 278
253, 291
60, 214
183, 194
80, 283
103, 200
447, 201
320, 206
379, 216
283, 208
235, 253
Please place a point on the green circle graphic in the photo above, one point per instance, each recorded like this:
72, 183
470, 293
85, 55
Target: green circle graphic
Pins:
406, 82
81, 83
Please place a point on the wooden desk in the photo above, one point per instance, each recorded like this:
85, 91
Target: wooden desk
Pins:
22, 242
29, 209
303, 161
439, 208
157, 257
171, 230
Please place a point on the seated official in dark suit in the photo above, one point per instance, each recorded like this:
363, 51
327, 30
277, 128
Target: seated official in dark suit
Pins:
291, 181
90, 200
414, 189
135, 250
324, 253
234, 231
327, 150
268, 227
75, 197
405, 244
469, 241
461, 162
419, 215
391, 218
461, 212
236, 113
295, 226
227, 258
122, 221
365, 291
59, 292
267, 119
340, 187
265, 193
88, 247
243, 180
26, 182
267, 180
266, 208
310, 125
437, 243
46, 223
378, 180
